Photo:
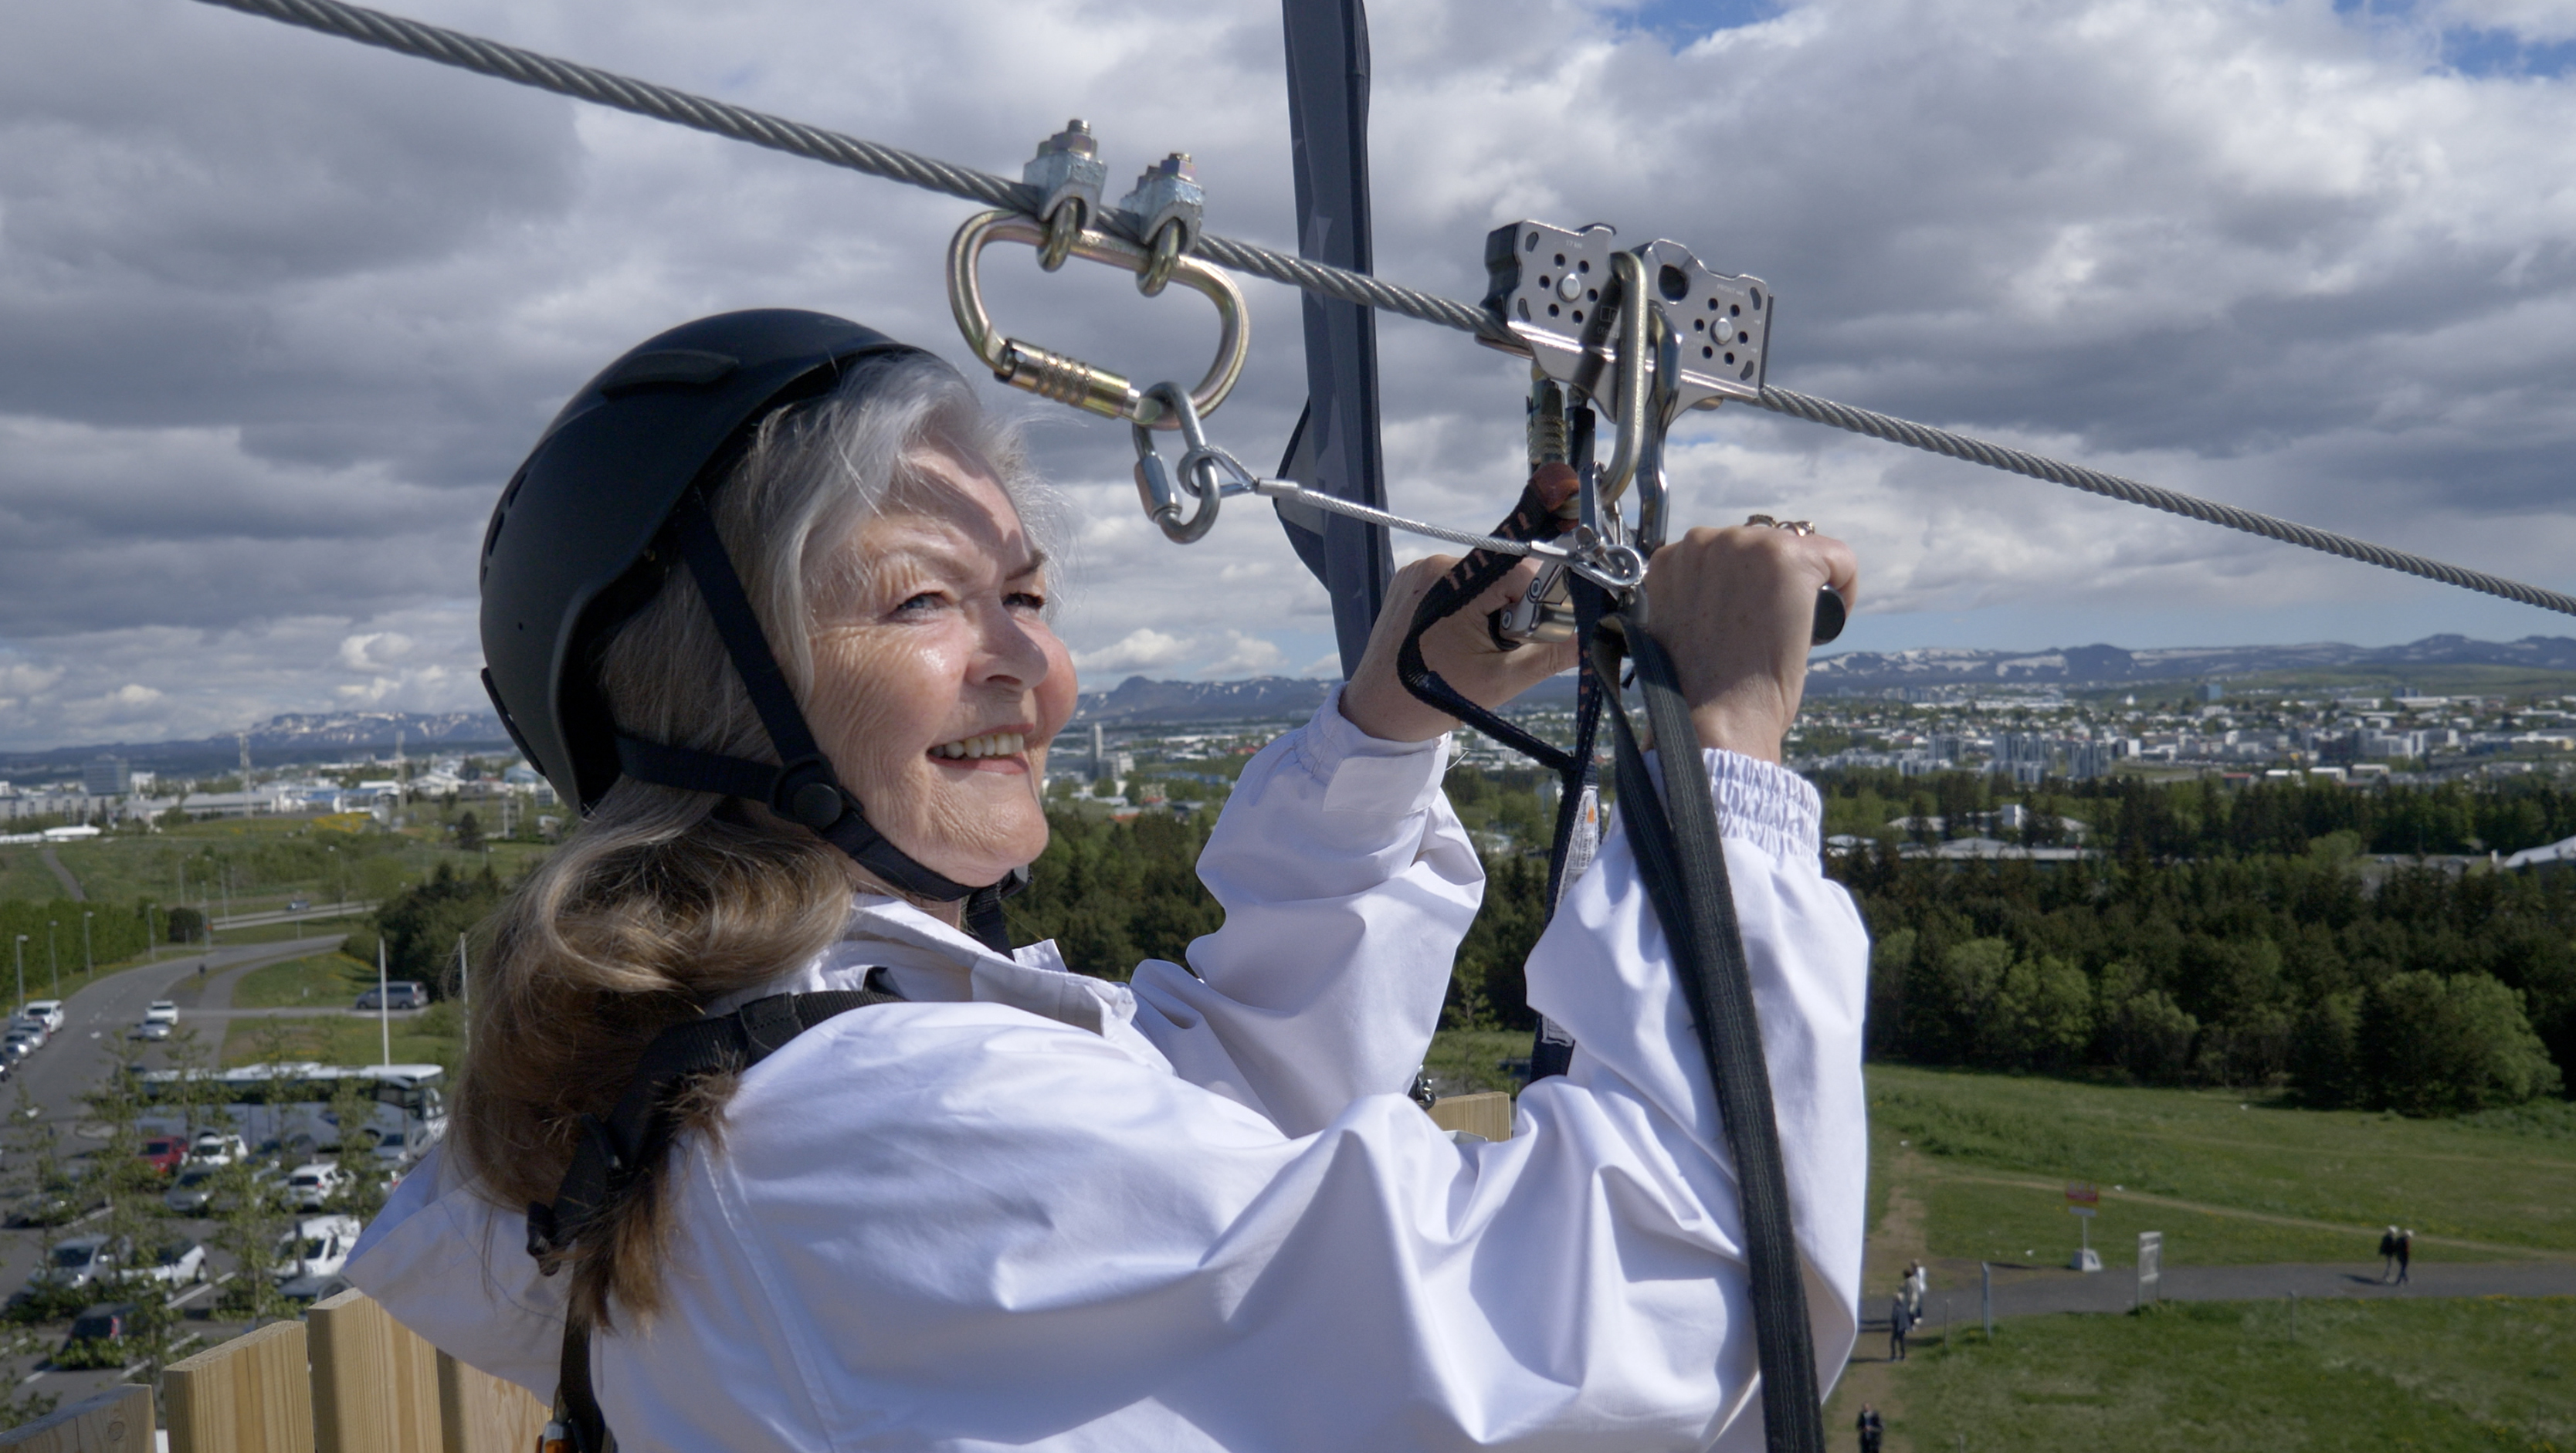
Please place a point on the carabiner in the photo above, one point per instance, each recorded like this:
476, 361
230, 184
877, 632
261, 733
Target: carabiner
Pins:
1154, 483
1069, 380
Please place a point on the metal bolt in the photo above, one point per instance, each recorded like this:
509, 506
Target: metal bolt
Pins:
1075, 138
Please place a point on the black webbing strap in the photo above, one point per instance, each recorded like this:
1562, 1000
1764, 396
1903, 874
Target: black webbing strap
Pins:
1683, 864
637, 1133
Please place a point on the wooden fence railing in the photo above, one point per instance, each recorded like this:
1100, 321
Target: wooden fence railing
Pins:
350, 1379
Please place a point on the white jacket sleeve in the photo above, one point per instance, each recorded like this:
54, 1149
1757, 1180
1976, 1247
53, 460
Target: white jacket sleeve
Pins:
1347, 885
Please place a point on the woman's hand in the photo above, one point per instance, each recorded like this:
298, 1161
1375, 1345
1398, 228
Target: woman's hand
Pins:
1460, 647
1737, 609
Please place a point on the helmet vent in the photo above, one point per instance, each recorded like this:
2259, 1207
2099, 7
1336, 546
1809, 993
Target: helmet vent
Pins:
687, 366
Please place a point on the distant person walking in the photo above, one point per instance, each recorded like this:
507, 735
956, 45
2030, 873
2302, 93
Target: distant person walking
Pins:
1872, 1431
1900, 1320
2388, 1256
2405, 1253
1917, 1282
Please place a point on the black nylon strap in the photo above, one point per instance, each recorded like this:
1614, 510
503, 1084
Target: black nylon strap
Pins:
1682, 862
637, 1133
739, 626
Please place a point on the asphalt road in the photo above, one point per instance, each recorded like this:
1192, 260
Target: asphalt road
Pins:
90, 1044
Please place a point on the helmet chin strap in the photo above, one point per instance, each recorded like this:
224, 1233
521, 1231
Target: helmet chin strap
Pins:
804, 790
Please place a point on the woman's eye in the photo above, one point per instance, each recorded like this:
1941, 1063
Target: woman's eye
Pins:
1025, 600
925, 601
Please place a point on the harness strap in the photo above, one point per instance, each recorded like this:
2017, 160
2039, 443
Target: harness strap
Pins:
1682, 861
637, 1133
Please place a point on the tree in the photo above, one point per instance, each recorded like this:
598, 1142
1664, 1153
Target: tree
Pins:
187, 925
420, 927
2436, 1046
469, 832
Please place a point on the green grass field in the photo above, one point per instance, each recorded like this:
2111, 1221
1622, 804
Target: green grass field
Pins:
2500, 1180
324, 981
433, 1036
1474, 1056
2226, 1377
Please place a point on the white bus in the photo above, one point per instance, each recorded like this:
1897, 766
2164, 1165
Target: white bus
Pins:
286, 1109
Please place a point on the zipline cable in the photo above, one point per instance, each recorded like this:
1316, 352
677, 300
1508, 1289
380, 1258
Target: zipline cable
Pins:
701, 113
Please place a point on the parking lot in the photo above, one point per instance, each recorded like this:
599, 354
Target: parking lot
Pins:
49, 1084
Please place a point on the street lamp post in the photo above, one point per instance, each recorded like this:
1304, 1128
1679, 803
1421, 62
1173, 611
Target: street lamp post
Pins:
22, 971
89, 963
52, 958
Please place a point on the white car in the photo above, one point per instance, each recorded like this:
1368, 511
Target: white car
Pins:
216, 1147
160, 1011
79, 1261
174, 1263
150, 1029
308, 1186
48, 1010
310, 1257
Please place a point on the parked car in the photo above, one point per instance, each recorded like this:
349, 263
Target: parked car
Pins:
95, 1335
221, 1201
192, 1192
31, 1026
161, 1011
22, 1042
177, 1262
310, 1257
400, 994
165, 1153
149, 1029
308, 1186
81, 1261
216, 1147
48, 1010
52, 1205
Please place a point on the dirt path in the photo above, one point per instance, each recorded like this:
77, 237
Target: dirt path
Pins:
1895, 1243
63, 875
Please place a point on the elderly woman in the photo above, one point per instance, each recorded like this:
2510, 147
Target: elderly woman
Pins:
770, 602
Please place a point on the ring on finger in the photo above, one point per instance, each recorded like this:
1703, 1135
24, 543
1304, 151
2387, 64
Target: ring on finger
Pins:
1794, 527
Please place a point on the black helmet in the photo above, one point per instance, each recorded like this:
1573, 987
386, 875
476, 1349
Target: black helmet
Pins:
572, 551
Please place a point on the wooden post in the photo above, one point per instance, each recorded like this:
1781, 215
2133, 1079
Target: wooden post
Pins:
118, 1420
485, 1414
1488, 1114
249, 1395
375, 1382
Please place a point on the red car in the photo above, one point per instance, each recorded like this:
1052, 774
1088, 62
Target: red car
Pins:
164, 1153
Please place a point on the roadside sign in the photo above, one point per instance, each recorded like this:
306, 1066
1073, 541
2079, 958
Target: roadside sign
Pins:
2081, 1210
2083, 1193
2151, 1258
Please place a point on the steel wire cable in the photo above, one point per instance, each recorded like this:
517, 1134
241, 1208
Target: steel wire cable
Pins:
739, 123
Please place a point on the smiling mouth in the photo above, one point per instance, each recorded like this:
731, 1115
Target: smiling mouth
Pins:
990, 744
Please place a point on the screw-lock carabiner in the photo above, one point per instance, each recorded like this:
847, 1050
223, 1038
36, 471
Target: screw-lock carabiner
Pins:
1069, 380
1155, 484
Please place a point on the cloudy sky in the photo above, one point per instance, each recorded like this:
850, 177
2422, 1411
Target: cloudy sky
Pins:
278, 313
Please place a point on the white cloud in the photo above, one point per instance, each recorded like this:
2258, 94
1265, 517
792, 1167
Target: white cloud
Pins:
1142, 649
286, 312
1245, 656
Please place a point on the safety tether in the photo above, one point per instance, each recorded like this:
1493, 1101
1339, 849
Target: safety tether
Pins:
681, 108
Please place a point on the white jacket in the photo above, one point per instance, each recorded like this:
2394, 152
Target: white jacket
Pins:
1033, 1209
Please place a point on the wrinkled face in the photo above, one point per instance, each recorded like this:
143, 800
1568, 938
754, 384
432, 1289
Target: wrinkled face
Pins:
937, 683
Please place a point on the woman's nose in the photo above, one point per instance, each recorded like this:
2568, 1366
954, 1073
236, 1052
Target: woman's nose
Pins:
1011, 653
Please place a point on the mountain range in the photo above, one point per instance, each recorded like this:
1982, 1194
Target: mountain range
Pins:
2110, 665
292, 737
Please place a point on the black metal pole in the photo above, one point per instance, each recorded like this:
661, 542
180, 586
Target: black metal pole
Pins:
1336, 447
